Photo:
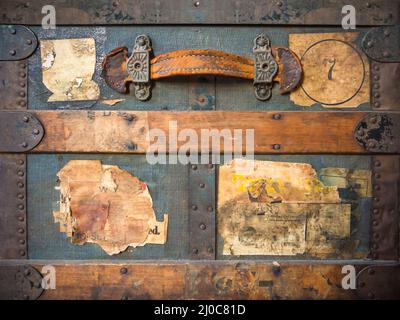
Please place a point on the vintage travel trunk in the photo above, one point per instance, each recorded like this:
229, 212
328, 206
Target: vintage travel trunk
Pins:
88, 210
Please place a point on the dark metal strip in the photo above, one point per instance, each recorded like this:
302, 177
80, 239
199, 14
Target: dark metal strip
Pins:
202, 228
13, 85
385, 79
104, 12
19, 131
382, 44
20, 283
379, 282
13, 206
384, 240
16, 42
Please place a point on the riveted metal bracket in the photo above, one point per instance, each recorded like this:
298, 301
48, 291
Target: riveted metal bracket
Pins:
13, 85
379, 132
16, 42
19, 131
202, 211
20, 282
379, 282
138, 67
384, 236
265, 67
382, 44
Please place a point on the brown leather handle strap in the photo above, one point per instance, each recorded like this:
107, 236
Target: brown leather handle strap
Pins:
199, 62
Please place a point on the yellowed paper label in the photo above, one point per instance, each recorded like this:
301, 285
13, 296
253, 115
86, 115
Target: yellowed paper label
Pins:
67, 69
336, 72
279, 208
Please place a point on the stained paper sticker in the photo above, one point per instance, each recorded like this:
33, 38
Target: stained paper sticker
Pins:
67, 69
108, 206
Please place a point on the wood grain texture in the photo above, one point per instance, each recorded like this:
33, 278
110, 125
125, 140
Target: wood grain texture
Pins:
125, 132
218, 280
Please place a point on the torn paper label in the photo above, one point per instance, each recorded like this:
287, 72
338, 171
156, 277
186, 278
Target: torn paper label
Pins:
280, 208
68, 66
108, 206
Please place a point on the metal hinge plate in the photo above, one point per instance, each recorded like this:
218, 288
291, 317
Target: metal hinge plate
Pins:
16, 42
383, 44
379, 132
20, 131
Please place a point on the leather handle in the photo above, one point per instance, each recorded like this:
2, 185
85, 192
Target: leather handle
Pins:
200, 62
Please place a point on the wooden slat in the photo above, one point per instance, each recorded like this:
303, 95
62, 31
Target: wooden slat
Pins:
126, 131
181, 280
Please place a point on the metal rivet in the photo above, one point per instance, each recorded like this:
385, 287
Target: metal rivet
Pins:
22, 103
22, 84
36, 131
386, 54
21, 218
377, 175
123, 271
25, 119
376, 77
20, 173
373, 120
13, 52
377, 104
202, 185
21, 252
21, 207
197, 3
386, 33
21, 162
371, 144
13, 31
375, 246
20, 185
368, 5
21, 241
21, 230
210, 249
24, 144
22, 74
376, 95
202, 226
195, 251
194, 167
376, 199
371, 271
29, 42
27, 272
210, 166
376, 67
20, 196
277, 116
370, 44
194, 207
377, 188
276, 146
377, 163
25, 297
124, 298
279, 3
375, 223
210, 209
376, 85
376, 211
375, 235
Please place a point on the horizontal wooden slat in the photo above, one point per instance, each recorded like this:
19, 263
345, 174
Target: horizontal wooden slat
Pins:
317, 12
126, 131
181, 280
